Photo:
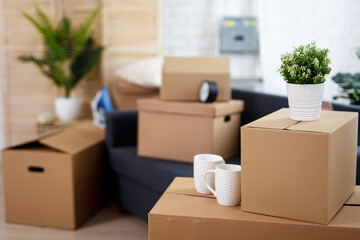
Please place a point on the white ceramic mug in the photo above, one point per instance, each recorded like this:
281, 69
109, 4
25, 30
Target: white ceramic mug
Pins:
202, 163
227, 184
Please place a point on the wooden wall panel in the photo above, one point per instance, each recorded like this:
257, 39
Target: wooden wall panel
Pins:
79, 11
130, 30
28, 93
25, 91
130, 23
18, 31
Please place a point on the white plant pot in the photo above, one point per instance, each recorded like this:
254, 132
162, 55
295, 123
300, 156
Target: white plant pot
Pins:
67, 109
305, 101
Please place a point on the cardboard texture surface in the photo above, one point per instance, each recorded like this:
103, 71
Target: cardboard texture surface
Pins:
179, 214
180, 130
182, 77
55, 181
215, 109
125, 94
299, 170
75, 139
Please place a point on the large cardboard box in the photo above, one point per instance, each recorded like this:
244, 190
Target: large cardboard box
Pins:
183, 214
125, 94
56, 180
180, 130
182, 77
299, 170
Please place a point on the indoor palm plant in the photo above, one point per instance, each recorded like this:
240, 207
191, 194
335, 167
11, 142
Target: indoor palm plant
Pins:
305, 70
70, 54
350, 85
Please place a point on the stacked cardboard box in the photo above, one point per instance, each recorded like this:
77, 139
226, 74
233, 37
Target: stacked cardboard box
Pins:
182, 213
182, 78
299, 170
55, 180
298, 182
177, 126
125, 94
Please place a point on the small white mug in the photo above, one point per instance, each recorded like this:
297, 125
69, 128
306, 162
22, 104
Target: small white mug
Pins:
202, 163
227, 184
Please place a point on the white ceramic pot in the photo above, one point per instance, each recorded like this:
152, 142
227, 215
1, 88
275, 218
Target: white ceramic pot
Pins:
67, 109
305, 101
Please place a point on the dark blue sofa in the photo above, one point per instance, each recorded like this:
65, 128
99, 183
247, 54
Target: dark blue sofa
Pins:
138, 182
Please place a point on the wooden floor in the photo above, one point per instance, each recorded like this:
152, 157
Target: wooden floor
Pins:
108, 224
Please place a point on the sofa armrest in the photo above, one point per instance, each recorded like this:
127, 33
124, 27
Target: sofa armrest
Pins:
121, 128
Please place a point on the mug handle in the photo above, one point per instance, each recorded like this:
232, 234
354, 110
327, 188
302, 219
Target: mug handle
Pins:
205, 182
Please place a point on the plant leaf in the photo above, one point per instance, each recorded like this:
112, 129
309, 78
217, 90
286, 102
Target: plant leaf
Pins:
43, 19
85, 61
48, 37
64, 35
39, 62
70, 54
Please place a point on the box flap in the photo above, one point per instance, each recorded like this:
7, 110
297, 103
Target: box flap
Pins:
75, 139
33, 139
348, 216
26, 142
276, 120
354, 199
185, 186
215, 109
129, 88
202, 207
329, 121
178, 65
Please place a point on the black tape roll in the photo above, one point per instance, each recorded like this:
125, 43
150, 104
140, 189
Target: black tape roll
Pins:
213, 91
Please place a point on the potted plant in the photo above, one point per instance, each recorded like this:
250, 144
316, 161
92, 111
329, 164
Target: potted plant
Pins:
305, 70
70, 54
350, 86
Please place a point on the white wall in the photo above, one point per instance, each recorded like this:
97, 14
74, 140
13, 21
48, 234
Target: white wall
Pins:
191, 29
333, 24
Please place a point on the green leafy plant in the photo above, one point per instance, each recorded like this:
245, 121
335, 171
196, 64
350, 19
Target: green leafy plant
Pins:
306, 64
70, 52
350, 86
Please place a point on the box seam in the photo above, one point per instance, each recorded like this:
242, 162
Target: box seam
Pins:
296, 222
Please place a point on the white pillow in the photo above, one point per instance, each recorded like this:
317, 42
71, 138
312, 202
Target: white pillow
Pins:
146, 73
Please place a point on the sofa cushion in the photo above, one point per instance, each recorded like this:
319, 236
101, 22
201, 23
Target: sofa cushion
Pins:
135, 197
153, 173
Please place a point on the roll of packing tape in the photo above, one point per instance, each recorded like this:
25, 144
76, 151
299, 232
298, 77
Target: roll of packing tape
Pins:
208, 91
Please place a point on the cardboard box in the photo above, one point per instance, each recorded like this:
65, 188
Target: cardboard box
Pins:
180, 130
182, 77
125, 94
299, 170
182, 213
56, 180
